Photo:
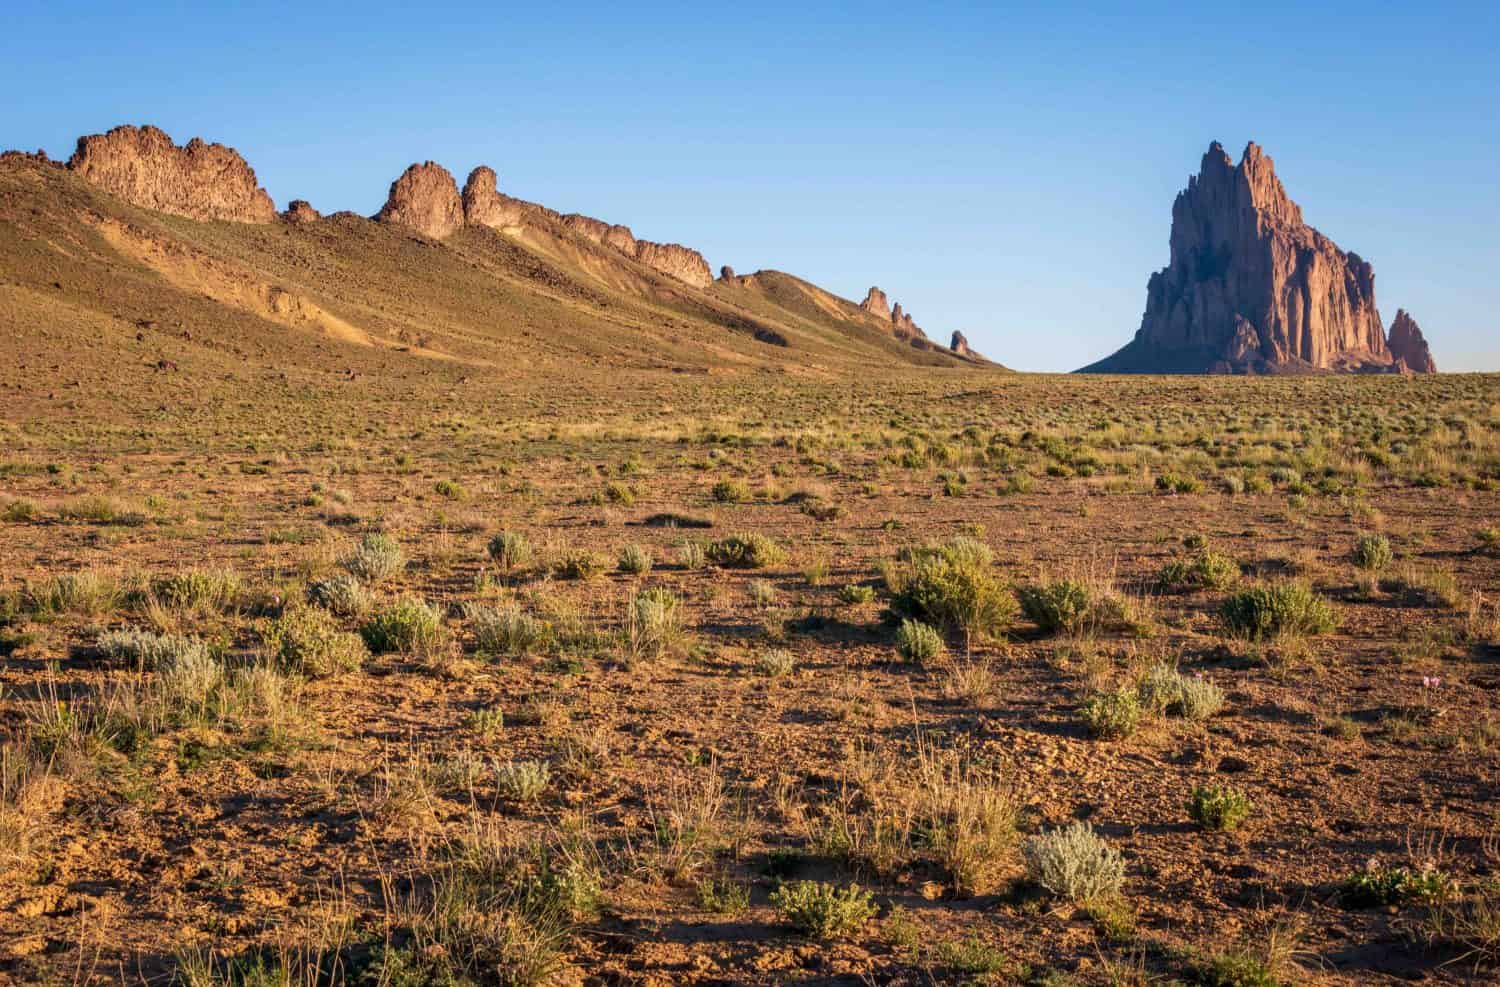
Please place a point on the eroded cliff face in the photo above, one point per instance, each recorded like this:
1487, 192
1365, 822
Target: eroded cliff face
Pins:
198, 180
300, 211
876, 304
484, 205
1251, 288
425, 199
1408, 346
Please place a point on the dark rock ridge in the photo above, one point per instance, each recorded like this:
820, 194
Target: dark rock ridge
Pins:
201, 181
726, 273
425, 198
1251, 288
1408, 346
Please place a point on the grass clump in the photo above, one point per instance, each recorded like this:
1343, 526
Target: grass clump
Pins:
341, 593
308, 642
578, 565
1164, 691
87, 593
856, 594
730, 492
775, 662
522, 781
376, 558
148, 650
749, 550
510, 550
722, 896
1075, 864
951, 586
198, 590
505, 630
1206, 569
823, 911
918, 643
1372, 553
1468, 924
654, 624
1276, 610
636, 560
1219, 807
1374, 886
409, 624
1112, 715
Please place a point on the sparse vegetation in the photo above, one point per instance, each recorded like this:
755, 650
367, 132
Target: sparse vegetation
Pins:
1277, 610
1075, 864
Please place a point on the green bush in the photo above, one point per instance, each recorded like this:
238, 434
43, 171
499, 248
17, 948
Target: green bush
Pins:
823, 911
1273, 610
406, 625
511, 550
1112, 715
918, 643
636, 560
203, 590
578, 565
1238, 969
856, 594
1372, 553
750, 550
1074, 864
1218, 807
308, 642
1061, 606
952, 586
1178, 484
1378, 887
376, 558
730, 492
1206, 569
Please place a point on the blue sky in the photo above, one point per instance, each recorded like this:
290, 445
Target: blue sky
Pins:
1004, 170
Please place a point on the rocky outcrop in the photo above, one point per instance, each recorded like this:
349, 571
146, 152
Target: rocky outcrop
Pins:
425, 199
1408, 347
618, 237
903, 324
485, 206
300, 211
1250, 287
875, 303
675, 261
726, 273
960, 345
201, 181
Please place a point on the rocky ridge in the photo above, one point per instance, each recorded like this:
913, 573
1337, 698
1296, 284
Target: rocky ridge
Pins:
425, 199
202, 181
1251, 288
1408, 346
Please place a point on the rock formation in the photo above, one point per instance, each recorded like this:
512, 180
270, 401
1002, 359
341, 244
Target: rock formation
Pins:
726, 273
1408, 347
960, 345
903, 324
618, 237
200, 181
485, 206
1251, 288
300, 211
875, 303
425, 198
675, 261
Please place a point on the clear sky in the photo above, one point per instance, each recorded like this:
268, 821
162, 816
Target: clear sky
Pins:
1004, 170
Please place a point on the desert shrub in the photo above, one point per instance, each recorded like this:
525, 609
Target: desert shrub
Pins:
1489, 539
635, 559
148, 650
406, 625
341, 593
722, 896
1273, 610
1160, 688
762, 592
578, 565
1218, 807
1178, 483
856, 594
1374, 886
654, 624
1427, 587
918, 643
823, 911
510, 550
308, 642
75, 592
775, 662
1237, 968
1112, 715
376, 558
1372, 553
951, 586
1199, 698
750, 550
1060, 606
522, 781
189, 679
1074, 864
692, 555
616, 492
730, 492
201, 590
506, 629
1206, 569
19, 511
1468, 924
